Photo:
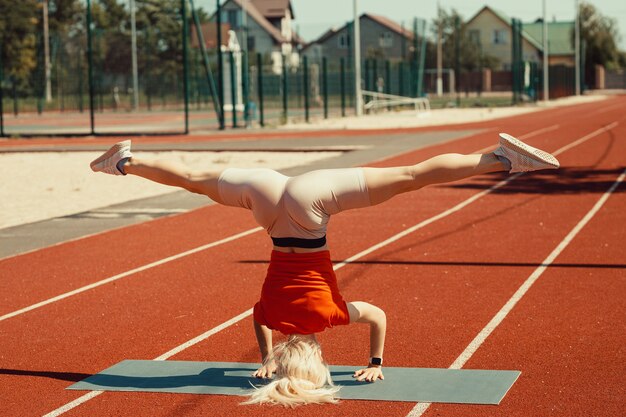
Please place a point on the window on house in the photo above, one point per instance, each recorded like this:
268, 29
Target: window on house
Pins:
385, 40
233, 18
343, 41
499, 36
474, 36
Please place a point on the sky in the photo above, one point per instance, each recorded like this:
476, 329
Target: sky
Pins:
314, 17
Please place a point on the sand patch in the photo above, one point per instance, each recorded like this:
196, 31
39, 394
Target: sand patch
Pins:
43, 185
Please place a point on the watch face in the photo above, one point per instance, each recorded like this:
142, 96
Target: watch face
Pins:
376, 361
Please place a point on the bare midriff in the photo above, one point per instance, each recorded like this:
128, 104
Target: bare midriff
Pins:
293, 249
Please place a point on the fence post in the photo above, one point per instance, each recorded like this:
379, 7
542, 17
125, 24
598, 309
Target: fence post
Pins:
414, 61
401, 78
233, 86
14, 93
305, 63
259, 64
183, 11
374, 75
583, 52
246, 88
80, 86
420, 68
480, 68
43, 74
514, 59
220, 66
285, 92
387, 77
457, 59
387, 85
90, 69
148, 82
342, 85
325, 86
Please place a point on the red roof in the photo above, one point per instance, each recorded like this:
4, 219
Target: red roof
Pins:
272, 8
382, 20
209, 33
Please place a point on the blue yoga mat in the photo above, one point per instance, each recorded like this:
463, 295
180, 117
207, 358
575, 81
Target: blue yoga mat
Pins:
465, 386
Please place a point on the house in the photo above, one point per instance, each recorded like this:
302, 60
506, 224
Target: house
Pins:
380, 38
560, 40
492, 30
266, 29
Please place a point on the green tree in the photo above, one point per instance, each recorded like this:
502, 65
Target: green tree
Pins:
158, 26
65, 16
111, 38
599, 34
18, 35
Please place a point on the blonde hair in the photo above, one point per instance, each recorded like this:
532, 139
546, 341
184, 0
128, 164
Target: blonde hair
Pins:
302, 376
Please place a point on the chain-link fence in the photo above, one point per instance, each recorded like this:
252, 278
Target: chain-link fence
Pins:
102, 69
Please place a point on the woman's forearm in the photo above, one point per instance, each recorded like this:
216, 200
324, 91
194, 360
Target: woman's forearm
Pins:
362, 312
264, 338
377, 337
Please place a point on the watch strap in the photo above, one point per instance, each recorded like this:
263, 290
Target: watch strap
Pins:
376, 361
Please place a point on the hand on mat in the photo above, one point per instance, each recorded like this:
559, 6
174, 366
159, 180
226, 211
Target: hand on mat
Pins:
369, 374
266, 371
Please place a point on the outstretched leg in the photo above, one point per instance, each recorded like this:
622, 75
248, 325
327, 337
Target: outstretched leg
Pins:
119, 160
384, 183
512, 155
177, 175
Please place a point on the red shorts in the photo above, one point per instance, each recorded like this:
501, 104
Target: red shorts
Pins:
300, 294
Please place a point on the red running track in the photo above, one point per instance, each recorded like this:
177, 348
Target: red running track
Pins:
439, 285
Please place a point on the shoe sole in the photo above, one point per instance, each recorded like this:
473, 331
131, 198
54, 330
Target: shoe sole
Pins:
112, 151
517, 145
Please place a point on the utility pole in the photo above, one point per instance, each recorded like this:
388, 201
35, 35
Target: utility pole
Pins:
46, 48
358, 102
546, 75
133, 30
439, 53
457, 58
244, 62
220, 66
577, 48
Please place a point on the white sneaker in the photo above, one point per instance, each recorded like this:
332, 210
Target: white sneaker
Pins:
524, 157
107, 162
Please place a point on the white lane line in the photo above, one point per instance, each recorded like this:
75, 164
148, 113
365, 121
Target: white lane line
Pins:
241, 316
130, 272
420, 408
585, 138
203, 336
606, 109
92, 394
78, 401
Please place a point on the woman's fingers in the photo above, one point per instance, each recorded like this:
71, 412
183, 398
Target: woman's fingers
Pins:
263, 373
368, 374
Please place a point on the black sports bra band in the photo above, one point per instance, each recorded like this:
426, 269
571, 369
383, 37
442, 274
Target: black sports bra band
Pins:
296, 242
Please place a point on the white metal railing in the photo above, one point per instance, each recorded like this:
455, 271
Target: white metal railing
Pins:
382, 100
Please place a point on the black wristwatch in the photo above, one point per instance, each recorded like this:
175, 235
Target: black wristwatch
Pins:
376, 361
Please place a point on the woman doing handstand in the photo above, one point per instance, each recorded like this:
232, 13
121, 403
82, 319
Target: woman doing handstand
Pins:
300, 296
